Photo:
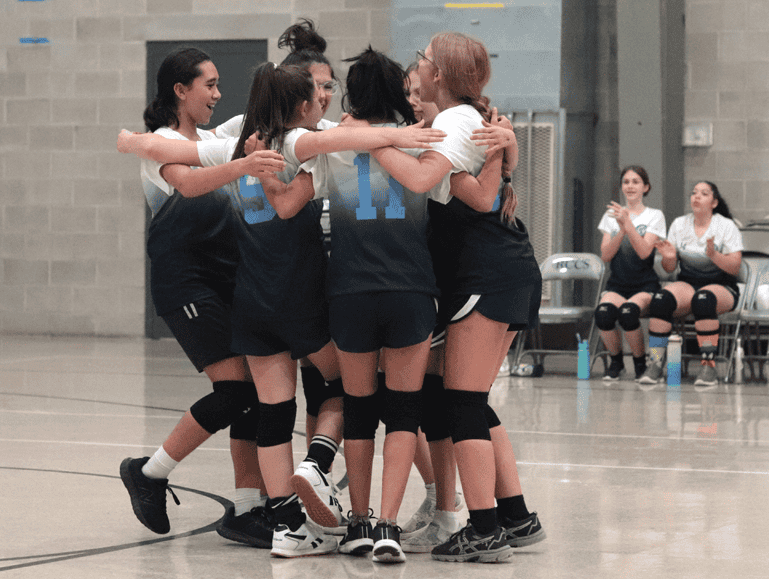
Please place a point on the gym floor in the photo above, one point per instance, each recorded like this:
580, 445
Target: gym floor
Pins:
666, 484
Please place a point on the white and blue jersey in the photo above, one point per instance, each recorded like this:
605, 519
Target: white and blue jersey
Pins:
379, 227
283, 266
191, 242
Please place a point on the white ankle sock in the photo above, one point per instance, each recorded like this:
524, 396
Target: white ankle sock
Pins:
247, 499
430, 488
159, 465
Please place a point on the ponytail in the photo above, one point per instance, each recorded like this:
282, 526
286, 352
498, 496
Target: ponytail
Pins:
722, 208
182, 66
276, 92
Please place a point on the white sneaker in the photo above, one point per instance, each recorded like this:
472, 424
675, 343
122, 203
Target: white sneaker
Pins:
317, 494
306, 541
440, 529
422, 516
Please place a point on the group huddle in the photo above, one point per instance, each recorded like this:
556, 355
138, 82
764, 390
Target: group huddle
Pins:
406, 319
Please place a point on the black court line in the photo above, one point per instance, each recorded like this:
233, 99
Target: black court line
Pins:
57, 557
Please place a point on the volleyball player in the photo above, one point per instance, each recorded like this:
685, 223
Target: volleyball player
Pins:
193, 258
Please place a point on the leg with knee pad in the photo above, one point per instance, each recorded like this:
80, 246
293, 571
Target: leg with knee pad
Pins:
313, 385
434, 423
606, 315
466, 415
402, 411
276, 423
246, 426
705, 305
229, 400
361, 416
663, 306
630, 316
491, 417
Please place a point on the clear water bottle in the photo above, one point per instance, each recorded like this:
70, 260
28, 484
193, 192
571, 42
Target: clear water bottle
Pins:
524, 370
674, 360
739, 355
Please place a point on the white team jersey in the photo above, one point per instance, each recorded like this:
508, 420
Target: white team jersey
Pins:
649, 220
691, 249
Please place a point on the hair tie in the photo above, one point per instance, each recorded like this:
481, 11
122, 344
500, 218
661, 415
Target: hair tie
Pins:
507, 179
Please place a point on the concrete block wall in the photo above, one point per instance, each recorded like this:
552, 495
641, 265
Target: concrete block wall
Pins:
727, 84
71, 208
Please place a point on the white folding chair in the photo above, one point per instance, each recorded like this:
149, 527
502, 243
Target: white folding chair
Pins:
561, 268
754, 317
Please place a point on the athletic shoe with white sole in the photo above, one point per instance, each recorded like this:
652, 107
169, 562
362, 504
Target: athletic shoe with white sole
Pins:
707, 379
440, 529
387, 544
425, 513
524, 532
316, 492
308, 540
653, 373
469, 546
358, 540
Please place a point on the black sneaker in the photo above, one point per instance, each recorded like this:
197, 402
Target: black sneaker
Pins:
614, 370
468, 546
524, 532
387, 544
148, 496
640, 367
252, 528
358, 540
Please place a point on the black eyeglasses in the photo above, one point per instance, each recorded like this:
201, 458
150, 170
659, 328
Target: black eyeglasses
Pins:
331, 87
421, 56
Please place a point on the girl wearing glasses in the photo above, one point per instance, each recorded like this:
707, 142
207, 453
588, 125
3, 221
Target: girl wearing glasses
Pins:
491, 288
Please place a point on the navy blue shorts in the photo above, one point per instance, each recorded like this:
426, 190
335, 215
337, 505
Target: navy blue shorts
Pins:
366, 322
627, 293
253, 337
518, 308
204, 331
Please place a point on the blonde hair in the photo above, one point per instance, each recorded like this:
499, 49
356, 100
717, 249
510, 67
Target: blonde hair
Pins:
466, 68
464, 62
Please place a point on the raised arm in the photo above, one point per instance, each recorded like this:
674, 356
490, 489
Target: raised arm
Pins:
363, 138
610, 245
195, 182
669, 254
642, 244
418, 174
288, 200
479, 192
728, 262
159, 149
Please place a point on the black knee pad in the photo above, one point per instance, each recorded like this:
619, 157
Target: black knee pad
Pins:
276, 423
606, 316
434, 423
229, 400
663, 306
402, 411
491, 417
466, 415
313, 385
704, 305
630, 317
361, 416
246, 426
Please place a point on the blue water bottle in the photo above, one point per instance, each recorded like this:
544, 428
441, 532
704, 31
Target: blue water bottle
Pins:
674, 360
583, 360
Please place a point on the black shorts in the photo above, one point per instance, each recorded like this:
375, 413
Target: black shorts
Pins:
366, 322
518, 308
699, 284
627, 293
204, 331
253, 337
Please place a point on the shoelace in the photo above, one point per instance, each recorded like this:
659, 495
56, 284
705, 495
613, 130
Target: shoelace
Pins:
173, 494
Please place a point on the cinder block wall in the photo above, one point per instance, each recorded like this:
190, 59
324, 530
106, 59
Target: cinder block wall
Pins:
728, 84
72, 231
